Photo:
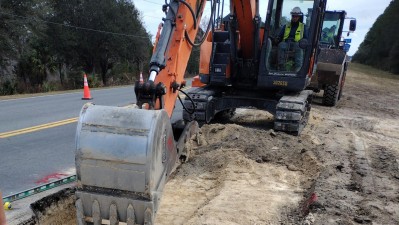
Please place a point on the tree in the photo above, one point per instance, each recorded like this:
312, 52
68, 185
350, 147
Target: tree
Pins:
113, 33
70, 36
18, 24
394, 58
21, 32
380, 47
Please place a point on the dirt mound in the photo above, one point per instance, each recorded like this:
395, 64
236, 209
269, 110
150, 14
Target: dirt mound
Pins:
242, 175
58, 208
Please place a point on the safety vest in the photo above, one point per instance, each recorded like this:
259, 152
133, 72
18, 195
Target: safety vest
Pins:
298, 33
327, 36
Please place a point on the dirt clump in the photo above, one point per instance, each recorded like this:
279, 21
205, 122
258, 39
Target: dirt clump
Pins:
55, 209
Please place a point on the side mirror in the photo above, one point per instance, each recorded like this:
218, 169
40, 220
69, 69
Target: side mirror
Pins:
352, 25
303, 43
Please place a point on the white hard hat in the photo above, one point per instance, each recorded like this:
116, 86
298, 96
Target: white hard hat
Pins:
296, 11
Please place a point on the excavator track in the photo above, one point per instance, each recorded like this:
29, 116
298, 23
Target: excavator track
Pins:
207, 103
292, 112
203, 107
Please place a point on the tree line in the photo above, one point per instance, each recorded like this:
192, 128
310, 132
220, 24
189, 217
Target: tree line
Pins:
380, 47
48, 44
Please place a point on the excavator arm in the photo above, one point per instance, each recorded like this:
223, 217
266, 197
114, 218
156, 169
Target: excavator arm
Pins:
169, 60
125, 155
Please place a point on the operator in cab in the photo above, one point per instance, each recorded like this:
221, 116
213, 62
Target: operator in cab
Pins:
290, 35
327, 35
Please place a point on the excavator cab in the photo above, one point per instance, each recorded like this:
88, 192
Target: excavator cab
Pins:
289, 57
332, 29
287, 45
255, 53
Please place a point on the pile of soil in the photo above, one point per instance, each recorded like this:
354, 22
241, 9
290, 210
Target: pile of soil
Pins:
58, 208
243, 172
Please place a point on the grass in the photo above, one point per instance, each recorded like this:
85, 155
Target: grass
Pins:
371, 71
366, 76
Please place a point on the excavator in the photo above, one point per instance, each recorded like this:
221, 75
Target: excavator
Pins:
333, 60
125, 155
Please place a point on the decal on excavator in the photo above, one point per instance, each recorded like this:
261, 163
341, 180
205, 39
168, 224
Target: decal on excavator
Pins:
280, 83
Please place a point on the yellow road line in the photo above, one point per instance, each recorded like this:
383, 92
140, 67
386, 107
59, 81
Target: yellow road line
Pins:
37, 128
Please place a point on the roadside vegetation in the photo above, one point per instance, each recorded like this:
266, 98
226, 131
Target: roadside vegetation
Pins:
380, 48
47, 45
372, 71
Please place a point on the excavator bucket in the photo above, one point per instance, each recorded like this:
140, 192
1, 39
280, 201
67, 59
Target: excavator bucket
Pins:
124, 157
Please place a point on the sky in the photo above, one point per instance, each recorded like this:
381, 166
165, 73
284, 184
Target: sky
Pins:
365, 12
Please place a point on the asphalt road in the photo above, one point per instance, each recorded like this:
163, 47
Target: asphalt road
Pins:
30, 158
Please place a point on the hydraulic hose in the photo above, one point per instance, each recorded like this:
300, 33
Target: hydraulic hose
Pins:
191, 100
213, 7
192, 12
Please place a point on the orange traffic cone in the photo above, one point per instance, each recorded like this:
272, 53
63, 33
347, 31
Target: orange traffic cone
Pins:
141, 78
86, 90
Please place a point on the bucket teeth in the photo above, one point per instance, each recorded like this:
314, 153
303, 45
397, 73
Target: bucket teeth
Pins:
131, 220
96, 213
113, 215
79, 213
148, 217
